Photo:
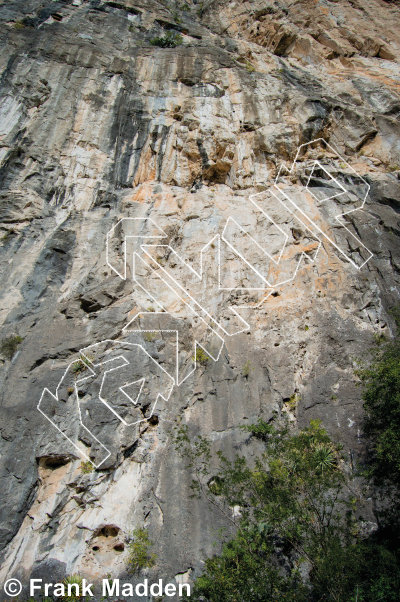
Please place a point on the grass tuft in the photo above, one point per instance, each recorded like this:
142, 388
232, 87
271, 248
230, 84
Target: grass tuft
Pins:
246, 369
87, 467
9, 346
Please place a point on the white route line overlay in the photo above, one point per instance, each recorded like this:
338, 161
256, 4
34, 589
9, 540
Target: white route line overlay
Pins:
93, 373
340, 216
196, 343
200, 311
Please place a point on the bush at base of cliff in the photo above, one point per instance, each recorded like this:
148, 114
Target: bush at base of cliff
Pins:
381, 380
298, 536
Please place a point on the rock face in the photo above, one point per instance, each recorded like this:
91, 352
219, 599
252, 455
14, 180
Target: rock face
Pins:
109, 143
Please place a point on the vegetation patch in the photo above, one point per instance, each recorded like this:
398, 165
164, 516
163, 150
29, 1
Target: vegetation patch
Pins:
381, 381
170, 40
293, 401
140, 556
246, 369
87, 467
82, 364
9, 346
73, 587
299, 535
200, 357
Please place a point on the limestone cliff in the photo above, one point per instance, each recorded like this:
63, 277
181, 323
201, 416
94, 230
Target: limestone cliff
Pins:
100, 123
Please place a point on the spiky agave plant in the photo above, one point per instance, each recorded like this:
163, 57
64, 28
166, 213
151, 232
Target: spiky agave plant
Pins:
324, 457
73, 580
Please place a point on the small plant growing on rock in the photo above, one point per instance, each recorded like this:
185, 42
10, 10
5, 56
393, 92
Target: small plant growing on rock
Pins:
140, 556
81, 365
73, 585
170, 40
86, 467
293, 401
200, 356
149, 336
70, 390
9, 346
246, 369
324, 457
19, 25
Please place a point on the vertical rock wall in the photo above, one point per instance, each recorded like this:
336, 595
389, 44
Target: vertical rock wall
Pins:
97, 124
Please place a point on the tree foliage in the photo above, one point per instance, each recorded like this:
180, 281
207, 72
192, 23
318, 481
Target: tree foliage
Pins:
298, 537
169, 40
140, 556
381, 380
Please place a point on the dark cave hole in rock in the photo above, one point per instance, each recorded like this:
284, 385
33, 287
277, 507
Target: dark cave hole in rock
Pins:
119, 547
109, 531
53, 462
144, 409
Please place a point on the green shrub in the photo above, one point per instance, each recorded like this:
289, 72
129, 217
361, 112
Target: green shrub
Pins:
170, 40
9, 346
140, 556
381, 381
200, 357
149, 336
87, 467
19, 25
295, 511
